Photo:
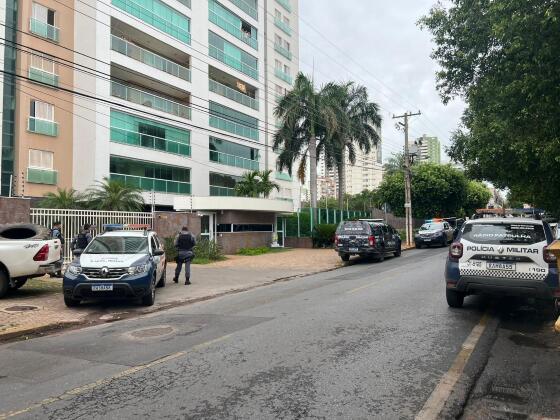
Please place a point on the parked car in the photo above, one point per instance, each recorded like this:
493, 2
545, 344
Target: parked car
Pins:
502, 256
367, 239
26, 251
117, 264
435, 232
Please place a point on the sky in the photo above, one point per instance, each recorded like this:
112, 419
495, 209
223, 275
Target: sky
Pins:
379, 45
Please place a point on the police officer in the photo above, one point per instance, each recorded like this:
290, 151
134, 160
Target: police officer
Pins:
184, 243
82, 239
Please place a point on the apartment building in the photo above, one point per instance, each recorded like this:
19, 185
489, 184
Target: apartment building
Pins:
428, 149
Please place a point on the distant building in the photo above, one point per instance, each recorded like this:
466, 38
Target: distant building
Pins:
428, 149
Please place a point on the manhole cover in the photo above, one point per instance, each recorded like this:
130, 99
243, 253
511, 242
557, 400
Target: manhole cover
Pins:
152, 332
21, 308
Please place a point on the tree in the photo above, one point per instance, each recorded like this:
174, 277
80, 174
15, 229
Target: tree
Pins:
501, 56
114, 195
437, 191
359, 123
62, 199
394, 164
266, 185
478, 196
305, 119
256, 184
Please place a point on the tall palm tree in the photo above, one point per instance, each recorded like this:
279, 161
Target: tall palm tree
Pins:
359, 127
266, 185
306, 119
62, 199
114, 195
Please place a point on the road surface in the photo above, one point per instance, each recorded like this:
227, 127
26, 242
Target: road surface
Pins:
370, 340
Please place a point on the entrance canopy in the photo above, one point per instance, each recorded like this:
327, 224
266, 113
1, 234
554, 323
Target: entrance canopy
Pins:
186, 203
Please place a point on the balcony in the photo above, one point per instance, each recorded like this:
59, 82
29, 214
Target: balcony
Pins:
232, 160
282, 25
284, 76
233, 94
43, 77
233, 127
232, 29
40, 126
149, 58
42, 176
186, 3
221, 191
285, 4
44, 30
247, 8
283, 51
283, 176
150, 100
153, 184
233, 62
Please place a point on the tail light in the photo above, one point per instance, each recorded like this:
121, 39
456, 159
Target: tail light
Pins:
42, 254
335, 240
548, 256
456, 250
371, 240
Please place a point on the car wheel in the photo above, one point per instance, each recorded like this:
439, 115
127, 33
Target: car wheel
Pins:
18, 283
4, 283
380, 258
345, 257
162, 280
150, 298
454, 298
71, 302
419, 246
398, 251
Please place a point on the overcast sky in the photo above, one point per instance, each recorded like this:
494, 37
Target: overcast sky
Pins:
385, 51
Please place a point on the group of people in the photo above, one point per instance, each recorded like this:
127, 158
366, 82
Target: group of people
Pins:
184, 244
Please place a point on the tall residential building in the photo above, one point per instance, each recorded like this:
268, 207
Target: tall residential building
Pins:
429, 149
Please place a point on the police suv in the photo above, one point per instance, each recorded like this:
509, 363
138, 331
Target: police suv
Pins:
117, 264
503, 256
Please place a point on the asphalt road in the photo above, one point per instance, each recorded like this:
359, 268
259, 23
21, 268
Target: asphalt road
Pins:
371, 340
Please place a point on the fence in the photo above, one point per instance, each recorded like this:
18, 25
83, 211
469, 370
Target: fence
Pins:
302, 223
73, 220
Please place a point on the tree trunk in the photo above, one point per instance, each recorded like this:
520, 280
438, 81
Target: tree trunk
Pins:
342, 180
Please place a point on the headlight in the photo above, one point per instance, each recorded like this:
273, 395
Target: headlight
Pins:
138, 269
74, 269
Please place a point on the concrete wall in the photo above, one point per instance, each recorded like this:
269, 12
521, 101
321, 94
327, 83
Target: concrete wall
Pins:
14, 210
232, 242
396, 222
293, 242
168, 224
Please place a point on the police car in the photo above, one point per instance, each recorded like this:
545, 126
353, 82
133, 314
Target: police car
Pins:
503, 256
117, 264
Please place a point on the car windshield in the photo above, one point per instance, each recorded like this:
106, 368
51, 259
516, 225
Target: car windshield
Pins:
503, 233
431, 226
118, 245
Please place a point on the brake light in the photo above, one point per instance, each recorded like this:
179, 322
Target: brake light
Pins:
335, 240
548, 256
371, 240
456, 250
42, 254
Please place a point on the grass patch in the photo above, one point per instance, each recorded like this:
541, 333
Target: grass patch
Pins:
254, 251
204, 260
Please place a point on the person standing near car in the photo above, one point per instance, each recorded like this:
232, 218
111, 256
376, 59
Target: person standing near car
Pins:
184, 243
82, 239
56, 233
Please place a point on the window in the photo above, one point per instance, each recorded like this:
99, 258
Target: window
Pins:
40, 159
42, 63
277, 14
287, 45
277, 40
42, 110
279, 90
277, 64
43, 14
286, 21
286, 69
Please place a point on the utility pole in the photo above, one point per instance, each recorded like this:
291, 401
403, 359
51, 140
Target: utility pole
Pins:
407, 177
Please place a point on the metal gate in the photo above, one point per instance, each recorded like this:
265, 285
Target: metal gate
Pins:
73, 220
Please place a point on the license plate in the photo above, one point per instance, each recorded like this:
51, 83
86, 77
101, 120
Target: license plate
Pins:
500, 266
353, 249
427, 240
101, 287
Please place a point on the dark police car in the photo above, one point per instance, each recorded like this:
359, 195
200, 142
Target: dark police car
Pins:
371, 238
434, 232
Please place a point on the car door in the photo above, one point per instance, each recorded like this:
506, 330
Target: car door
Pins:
394, 237
448, 231
157, 259
163, 258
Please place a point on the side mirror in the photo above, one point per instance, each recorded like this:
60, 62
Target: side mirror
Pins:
158, 253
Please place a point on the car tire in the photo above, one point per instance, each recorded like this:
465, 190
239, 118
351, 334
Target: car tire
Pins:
380, 258
71, 302
454, 298
4, 283
398, 251
150, 298
162, 280
419, 246
17, 284
345, 257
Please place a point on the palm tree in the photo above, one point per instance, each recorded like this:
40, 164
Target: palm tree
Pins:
359, 126
248, 186
306, 119
266, 185
114, 195
394, 164
62, 199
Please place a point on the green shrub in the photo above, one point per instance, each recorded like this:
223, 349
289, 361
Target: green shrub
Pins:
204, 250
170, 250
323, 235
254, 251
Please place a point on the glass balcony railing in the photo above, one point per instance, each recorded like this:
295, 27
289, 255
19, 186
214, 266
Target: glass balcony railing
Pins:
280, 49
232, 29
149, 58
233, 62
233, 94
282, 25
133, 138
153, 184
233, 127
40, 126
285, 4
247, 8
222, 191
42, 76
150, 100
232, 160
284, 176
284, 76
44, 30
42, 176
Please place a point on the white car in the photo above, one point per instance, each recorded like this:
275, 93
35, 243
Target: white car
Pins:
22, 259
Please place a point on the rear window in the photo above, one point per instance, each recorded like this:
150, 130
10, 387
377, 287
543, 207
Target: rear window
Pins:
353, 228
432, 226
503, 233
376, 229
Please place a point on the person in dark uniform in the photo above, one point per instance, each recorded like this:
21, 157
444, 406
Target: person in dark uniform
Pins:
184, 243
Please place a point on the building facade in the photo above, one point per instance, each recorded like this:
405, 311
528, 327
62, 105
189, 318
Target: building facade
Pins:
428, 149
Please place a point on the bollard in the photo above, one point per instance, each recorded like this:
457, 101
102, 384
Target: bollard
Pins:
555, 249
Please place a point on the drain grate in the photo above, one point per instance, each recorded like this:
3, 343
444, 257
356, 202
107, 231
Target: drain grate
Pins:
152, 332
21, 308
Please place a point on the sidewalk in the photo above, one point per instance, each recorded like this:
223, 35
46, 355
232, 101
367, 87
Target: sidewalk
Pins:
38, 306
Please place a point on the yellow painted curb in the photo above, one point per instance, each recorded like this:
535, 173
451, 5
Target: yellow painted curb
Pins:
557, 325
